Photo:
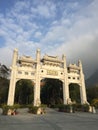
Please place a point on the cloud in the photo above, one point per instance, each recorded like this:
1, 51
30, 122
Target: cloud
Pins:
38, 35
77, 37
5, 56
46, 9
55, 27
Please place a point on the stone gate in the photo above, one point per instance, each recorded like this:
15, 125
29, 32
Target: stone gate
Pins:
25, 67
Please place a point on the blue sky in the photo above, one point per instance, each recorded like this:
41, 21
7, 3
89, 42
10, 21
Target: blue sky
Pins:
57, 27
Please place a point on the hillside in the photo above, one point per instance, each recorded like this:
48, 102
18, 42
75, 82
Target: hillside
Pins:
92, 80
4, 82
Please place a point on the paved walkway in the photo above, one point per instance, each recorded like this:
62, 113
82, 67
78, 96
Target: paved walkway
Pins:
52, 120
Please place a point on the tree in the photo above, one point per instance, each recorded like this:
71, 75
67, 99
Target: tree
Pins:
95, 102
92, 93
4, 83
74, 92
52, 92
4, 71
24, 92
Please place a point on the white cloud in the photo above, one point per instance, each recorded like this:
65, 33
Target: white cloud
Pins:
6, 56
71, 28
47, 10
38, 35
79, 38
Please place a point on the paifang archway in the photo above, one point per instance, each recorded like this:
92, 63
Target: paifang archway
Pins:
26, 67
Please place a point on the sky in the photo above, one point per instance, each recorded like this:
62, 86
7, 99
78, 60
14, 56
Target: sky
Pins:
57, 27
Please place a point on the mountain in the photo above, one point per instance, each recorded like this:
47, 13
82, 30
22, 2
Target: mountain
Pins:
92, 80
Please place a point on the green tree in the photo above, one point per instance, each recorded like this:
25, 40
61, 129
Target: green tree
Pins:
4, 71
74, 92
52, 92
24, 92
4, 84
92, 93
95, 102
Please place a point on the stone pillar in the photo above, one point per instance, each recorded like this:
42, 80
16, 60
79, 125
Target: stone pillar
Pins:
82, 85
65, 83
13, 79
37, 101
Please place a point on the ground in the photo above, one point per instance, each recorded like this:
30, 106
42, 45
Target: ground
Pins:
52, 120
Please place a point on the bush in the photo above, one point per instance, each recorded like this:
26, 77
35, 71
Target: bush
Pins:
74, 107
33, 109
95, 102
7, 107
64, 108
81, 107
16, 106
43, 105
77, 107
85, 107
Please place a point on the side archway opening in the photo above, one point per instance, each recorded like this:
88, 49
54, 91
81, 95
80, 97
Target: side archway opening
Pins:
74, 92
24, 92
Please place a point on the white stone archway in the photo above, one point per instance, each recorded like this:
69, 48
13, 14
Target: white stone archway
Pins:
25, 67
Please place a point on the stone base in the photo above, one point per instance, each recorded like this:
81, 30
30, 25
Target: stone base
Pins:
11, 112
40, 111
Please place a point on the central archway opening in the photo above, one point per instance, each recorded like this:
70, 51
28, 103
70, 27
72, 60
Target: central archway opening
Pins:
24, 93
74, 92
51, 92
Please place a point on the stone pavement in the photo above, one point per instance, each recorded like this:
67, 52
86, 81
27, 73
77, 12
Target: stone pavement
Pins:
52, 120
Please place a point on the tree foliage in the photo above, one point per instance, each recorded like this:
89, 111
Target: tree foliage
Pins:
74, 91
52, 92
92, 93
95, 102
4, 71
4, 84
24, 92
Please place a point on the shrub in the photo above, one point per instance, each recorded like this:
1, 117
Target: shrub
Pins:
7, 107
16, 106
77, 107
81, 107
64, 108
74, 107
43, 105
33, 109
85, 107
95, 102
